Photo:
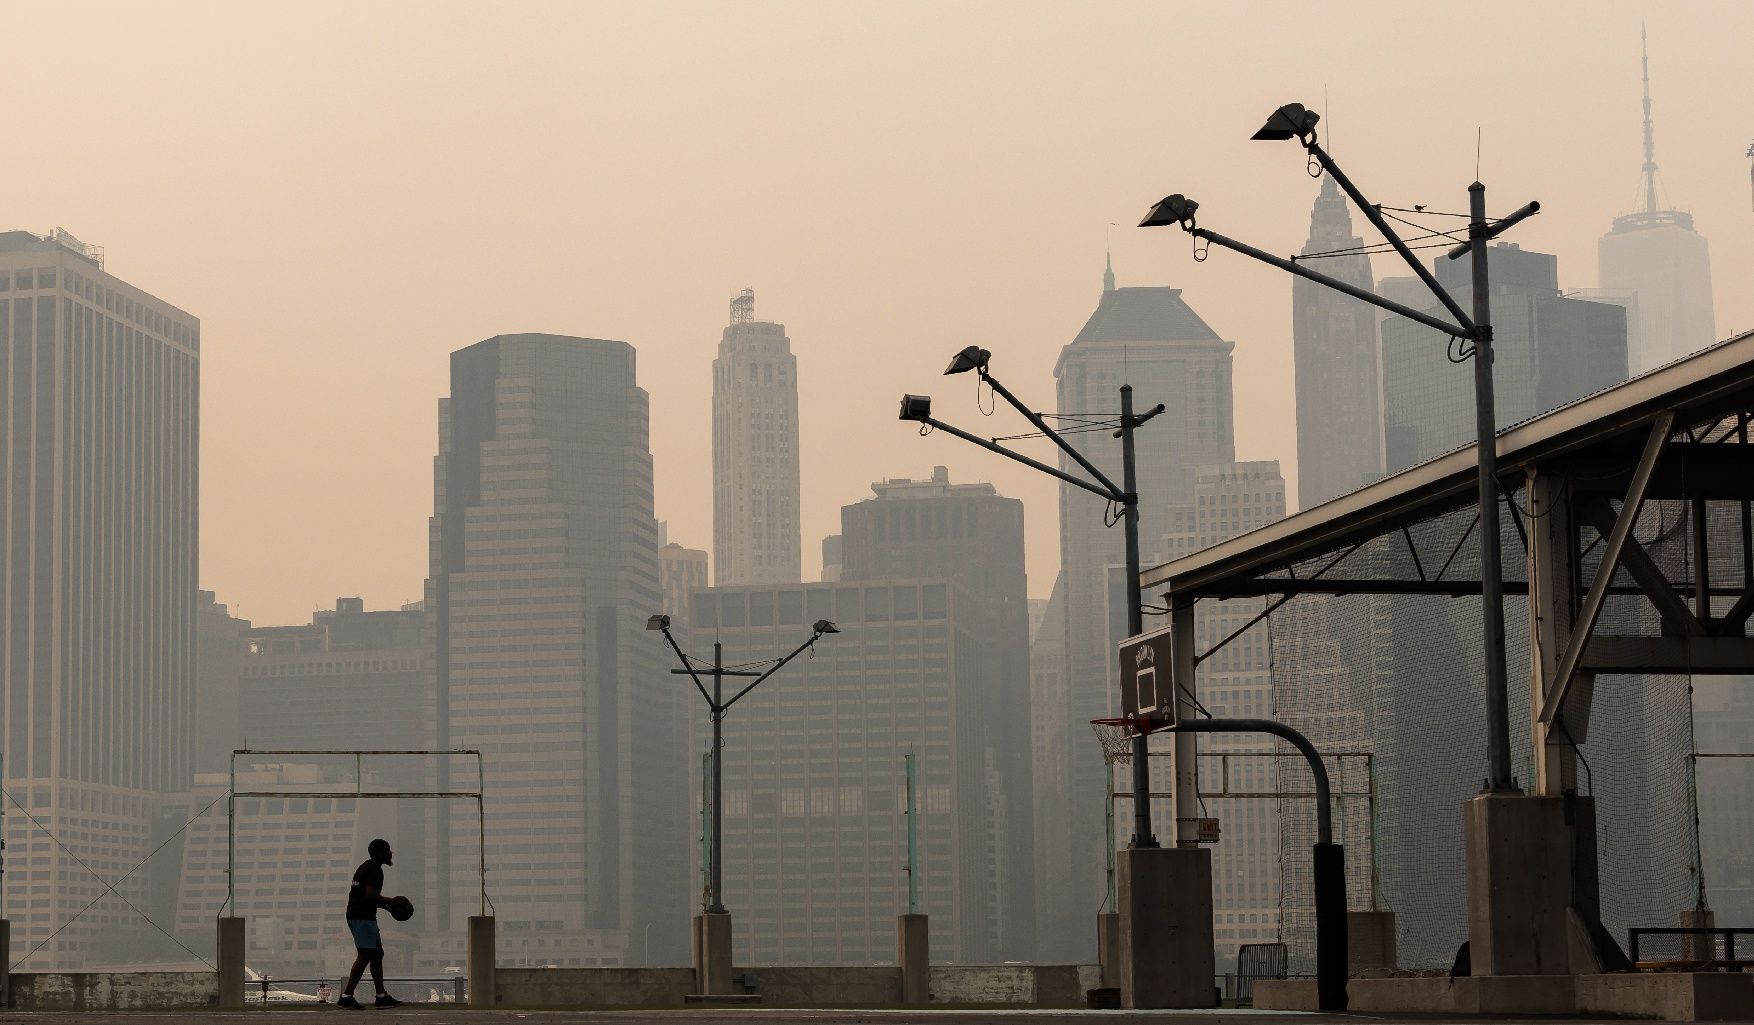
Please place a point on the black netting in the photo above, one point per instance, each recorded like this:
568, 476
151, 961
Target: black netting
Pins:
1401, 678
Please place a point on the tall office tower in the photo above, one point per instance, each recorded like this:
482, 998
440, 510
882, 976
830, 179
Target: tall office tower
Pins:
1236, 682
219, 652
831, 558
292, 859
1657, 254
1548, 350
1339, 431
544, 570
1724, 725
814, 779
755, 452
1152, 339
972, 536
680, 570
99, 388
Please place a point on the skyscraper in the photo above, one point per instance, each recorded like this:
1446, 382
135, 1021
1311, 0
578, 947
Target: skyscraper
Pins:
544, 569
1339, 432
755, 452
1547, 350
1657, 254
1151, 338
972, 536
99, 390
681, 570
814, 779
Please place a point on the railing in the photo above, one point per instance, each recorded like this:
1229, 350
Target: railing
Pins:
327, 990
1726, 963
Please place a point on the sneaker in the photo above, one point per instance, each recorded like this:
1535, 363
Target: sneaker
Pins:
386, 1000
348, 1002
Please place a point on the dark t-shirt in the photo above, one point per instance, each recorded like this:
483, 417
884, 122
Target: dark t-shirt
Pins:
359, 905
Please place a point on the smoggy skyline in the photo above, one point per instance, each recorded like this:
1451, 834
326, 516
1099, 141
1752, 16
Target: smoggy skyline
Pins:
345, 196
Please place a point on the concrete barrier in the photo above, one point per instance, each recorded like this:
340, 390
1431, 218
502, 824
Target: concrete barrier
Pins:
1665, 996
114, 991
582, 987
799, 985
1669, 996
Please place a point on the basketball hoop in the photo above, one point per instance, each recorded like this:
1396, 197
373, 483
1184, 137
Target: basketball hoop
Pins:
1116, 737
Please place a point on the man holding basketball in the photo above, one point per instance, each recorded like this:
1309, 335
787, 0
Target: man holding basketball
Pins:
363, 901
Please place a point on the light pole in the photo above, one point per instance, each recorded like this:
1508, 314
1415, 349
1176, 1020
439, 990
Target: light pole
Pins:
717, 707
918, 409
1294, 121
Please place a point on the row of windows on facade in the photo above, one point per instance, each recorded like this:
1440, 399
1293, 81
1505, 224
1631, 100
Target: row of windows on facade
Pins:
104, 298
840, 604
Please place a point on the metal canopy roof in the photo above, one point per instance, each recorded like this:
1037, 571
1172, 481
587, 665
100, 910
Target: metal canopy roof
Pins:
1703, 387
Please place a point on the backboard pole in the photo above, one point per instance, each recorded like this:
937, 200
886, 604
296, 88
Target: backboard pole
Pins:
913, 835
1142, 835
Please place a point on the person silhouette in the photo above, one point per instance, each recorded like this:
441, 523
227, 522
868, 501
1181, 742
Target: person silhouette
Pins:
364, 899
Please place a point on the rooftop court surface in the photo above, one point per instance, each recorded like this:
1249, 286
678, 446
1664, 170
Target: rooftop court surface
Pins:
444, 1015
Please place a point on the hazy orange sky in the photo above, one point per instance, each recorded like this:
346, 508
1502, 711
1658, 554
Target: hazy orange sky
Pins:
346, 192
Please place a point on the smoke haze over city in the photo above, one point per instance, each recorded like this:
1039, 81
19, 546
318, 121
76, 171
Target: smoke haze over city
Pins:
346, 193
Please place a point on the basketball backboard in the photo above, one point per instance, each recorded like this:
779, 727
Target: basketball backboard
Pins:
1146, 689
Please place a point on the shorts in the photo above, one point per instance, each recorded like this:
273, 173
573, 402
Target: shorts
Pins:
365, 933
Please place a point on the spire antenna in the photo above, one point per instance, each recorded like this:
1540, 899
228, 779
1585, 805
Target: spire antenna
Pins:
1650, 139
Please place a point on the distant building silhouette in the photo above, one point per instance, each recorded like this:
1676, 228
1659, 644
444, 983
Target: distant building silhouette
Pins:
1339, 431
755, 452
1656, 254
1237, 682
814, 782
99, 407
972, 536
1548, 350
831, 558
680, 570
1151, 338
219, 653
544, 569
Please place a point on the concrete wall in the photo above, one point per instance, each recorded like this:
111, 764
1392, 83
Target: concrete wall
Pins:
576, 987
113, 991
1036, 985
1665, 996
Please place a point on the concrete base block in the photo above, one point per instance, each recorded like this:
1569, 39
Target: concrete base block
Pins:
712, 953
1166, 955
1370, 941
1519, 885
1669, 996
913, 952
1108, 948
1699, 948
231, 961
5, 963
483, 962
1665, 996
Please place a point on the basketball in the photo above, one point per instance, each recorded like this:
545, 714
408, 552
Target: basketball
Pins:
401, 908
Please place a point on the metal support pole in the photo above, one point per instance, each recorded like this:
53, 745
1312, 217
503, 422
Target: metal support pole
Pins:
716, 900
913, 838
706, 826
1499, 778
1142, 835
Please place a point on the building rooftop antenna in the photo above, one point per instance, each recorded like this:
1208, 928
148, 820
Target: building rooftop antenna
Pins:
743, 307
1650, 139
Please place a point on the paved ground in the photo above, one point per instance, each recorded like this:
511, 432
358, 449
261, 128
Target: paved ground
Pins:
443, 1015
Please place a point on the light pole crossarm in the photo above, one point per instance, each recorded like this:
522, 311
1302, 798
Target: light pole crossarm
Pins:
1041, 425
1109, 493
687, 666
776, 667
1375, 217
1362, 294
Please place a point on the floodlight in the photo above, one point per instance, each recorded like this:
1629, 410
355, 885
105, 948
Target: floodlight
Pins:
916, 407
659, 622
1290, 121
1176, 209
823, 626
972, 358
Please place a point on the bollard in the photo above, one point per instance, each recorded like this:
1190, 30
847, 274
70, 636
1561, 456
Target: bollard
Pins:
483, 979
231, 961
913, 952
